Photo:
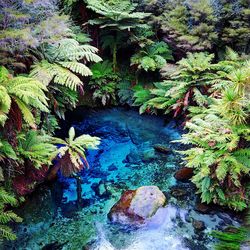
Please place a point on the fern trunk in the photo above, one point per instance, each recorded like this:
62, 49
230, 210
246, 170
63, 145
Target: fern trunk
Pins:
78, 190
115, 54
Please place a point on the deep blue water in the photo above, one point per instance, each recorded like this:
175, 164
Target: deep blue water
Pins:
125, 160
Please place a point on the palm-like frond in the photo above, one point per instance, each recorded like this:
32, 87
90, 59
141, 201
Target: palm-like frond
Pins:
77, 67
71, 153
62, 63
71, 50
59, 74
119, 15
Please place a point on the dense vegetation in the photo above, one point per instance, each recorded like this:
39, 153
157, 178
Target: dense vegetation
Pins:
186, 59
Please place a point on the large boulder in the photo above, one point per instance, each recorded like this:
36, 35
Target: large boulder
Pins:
135, 206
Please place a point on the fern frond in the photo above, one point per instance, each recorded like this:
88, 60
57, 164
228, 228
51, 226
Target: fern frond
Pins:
77, 67
7, 233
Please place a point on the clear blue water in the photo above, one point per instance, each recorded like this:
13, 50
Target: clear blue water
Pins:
125, 160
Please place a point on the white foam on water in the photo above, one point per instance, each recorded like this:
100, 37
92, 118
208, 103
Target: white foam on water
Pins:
157, 234
102, 243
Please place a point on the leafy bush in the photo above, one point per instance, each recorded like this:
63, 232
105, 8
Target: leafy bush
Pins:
104, 82
25, 25
193, 26
189, 26
152, 57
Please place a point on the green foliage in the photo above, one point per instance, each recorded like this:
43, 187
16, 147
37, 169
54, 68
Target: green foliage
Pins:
189, 25
35, 148
6, 151
217, 159
234, 24
141, 96
220, 153
152, 56
118, 15
71, 154
61, 70
125, 92
63, 99
197, 80
118, 18
7, 216
188, 85
25, 92
231, 239
61, 65
25, 25
104, 82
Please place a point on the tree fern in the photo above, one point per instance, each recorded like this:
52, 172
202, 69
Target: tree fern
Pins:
116, 14
118, 18
63, 63
197, 80
71, 154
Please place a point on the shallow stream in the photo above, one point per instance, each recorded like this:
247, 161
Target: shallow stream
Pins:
126, 160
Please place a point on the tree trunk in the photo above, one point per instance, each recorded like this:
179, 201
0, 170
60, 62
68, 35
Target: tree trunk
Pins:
114, 52
53, 172
79, 191
115, 57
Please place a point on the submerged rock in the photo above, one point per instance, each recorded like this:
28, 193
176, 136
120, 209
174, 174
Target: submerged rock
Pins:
178, 192
162, 148
184, 174
135, 206
133, 157
148, 155
112, 167
101, 189
198, 225
202, 208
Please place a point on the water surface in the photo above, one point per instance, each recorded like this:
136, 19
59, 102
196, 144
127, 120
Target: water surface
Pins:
125, 160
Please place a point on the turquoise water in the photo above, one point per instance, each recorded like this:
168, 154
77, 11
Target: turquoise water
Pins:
125, 160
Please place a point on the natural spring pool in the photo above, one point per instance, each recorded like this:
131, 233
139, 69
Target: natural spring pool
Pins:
126, 160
